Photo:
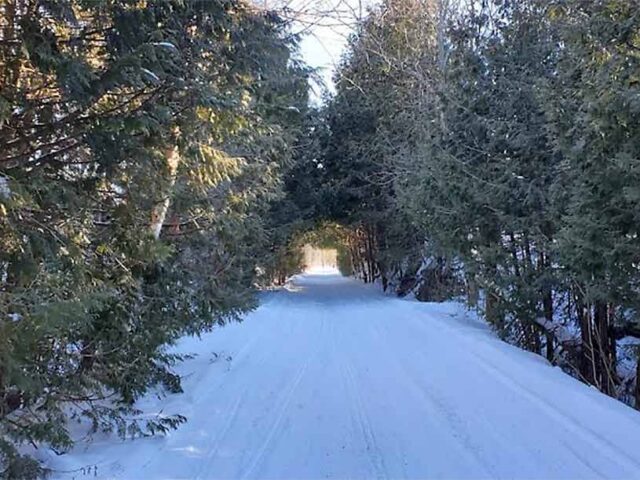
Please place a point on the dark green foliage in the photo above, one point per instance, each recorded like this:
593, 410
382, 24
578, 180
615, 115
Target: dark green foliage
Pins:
593, 113
494, 146
159, 162
143, 146
367, 122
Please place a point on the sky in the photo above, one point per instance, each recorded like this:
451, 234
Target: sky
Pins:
327, 25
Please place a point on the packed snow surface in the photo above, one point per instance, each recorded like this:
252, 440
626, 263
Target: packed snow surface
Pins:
331, 379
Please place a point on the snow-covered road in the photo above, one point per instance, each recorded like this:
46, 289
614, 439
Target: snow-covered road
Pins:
331, 379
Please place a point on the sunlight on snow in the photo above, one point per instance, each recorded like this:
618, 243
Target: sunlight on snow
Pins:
320, 261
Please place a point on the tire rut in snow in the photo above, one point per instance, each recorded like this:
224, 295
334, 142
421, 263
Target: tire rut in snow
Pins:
205, 471
359, 414
450, 420
566, 421
235, 406
281, 412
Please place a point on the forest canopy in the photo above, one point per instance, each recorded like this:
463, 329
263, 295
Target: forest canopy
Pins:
143, 144
160, 163
491, 151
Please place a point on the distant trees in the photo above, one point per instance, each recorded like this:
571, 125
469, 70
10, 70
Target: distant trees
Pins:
142, 146
494, 147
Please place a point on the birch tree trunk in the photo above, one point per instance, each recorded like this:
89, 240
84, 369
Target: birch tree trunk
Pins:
159, 212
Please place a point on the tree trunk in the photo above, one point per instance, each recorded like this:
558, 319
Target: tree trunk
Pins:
587, 361
637, 392
12, 66
472, 290
159, 212
598, 364
492, 304
369, 248
606, 356
491, 310
547, 308
514, 255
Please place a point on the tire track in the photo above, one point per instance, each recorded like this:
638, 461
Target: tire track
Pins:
566, 421
375, 454
240, 357
359, 414
204, 471
281, 412
453, 421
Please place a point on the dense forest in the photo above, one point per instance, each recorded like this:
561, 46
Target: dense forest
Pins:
161, 162
491, 151
143, 144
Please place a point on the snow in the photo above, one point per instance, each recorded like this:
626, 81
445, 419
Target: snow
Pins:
323, 270
331, 379
150, 75
320, 261
168, 45
5, 190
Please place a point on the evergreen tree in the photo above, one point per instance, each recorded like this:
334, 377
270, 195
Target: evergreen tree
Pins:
505, 133
593, 108
143, 144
